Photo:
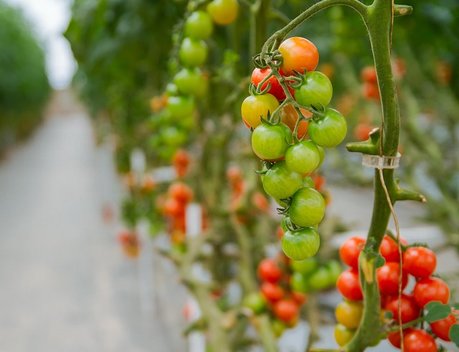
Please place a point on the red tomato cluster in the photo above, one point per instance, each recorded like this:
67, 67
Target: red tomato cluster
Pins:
370, 89
181, 162
130, 243
418, 263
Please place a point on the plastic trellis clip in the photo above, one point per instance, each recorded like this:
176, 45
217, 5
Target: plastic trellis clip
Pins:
381, 161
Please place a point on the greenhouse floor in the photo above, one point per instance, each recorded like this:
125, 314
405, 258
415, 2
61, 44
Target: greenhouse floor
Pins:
66, 285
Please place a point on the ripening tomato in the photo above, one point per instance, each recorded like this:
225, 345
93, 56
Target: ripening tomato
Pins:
350, 250
418, 340
348, 285
193, 52
419, 261
199, 25
441, 328
301, 244
343, 335
389, 249
298, 54
180, 192
286, 310
409, 308
316, 90
181, 161
180, 107
289, 117
223, 12
303, 157
272, 292
254, 108
431, 289
270, 142
259, 74
349, 313
362, 131
191, 81
329, 130
269, 270
307, 207
388, 278
299, 297
280, 182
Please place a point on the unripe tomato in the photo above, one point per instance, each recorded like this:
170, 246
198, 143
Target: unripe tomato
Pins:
350, 250
258, 74
419, 261
303, 157
298, 54
191, 82
280, 183
320, 279
307, 207
172, 136
257, 107
301, 244
343, 335
316, 90
270, 142
417, 340
255, 302
299, 282
180, 107
286, 310
334, 271
388, 277
278, 327
223, 12
348, 285
199, 25
349, 313
441, 328
305, 266
193, 52
329, 130
409, 308
269, 270
431, 289
272, 292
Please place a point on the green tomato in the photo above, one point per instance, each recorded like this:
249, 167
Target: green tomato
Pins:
281, 183
255, 302
321, 153
278, 327
301, 244
304, 266
173, 136
307, 207
308, 182
319, 279
303, 157
343, 335
270, 142
199, 25
180, 106
334, 270
316, 90
299, 283
193, 52
191, 81
171, 90
329, 130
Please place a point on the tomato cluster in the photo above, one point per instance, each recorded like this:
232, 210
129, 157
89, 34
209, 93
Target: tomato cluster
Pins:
290, 135
418, 263
309, 275
129, 243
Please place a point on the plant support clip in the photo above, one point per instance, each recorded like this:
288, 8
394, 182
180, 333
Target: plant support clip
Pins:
381, 161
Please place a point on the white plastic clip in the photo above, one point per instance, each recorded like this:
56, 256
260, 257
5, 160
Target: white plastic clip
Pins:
381, 162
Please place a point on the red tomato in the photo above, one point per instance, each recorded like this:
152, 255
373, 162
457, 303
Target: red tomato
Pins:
234, 174
388, 277
286, 310
394, 337
298, 54
349, 285
173, 208
442, 327
180, 192
409, 308
259, 74
350, 250
299, 297
431, 289
268, 270
389, 249
370, 91
260, 201
368, 74
362, 131
419, 261
419, 341
272, 292
181, 161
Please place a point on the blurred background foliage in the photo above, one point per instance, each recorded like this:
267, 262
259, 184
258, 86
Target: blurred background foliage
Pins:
24, 86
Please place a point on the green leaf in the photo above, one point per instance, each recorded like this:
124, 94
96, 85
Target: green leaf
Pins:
456, 305
454, 334
436, 311
379, 261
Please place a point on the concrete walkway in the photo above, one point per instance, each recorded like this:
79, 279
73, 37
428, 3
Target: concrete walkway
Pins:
65, 286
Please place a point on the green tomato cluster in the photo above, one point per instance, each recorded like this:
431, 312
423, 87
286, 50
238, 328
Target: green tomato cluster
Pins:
309, 276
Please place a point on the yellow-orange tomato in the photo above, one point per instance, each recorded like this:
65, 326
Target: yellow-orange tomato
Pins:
343, 335
256, 107
298, 54
349, 313
223, 12
290, 116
